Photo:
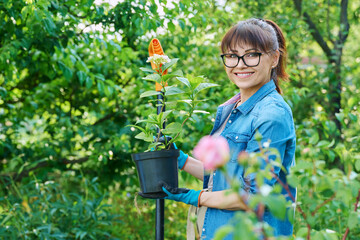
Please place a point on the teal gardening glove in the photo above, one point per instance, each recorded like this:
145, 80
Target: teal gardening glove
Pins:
188, 196
182, 158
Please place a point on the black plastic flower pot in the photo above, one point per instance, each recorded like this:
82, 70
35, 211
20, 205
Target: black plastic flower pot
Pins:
155, 168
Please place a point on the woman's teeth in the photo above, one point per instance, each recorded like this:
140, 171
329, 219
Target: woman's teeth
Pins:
243, 74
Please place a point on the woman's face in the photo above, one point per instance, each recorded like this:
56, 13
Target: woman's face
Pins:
248, 78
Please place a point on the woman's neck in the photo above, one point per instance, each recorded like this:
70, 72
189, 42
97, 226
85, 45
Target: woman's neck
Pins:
248, 92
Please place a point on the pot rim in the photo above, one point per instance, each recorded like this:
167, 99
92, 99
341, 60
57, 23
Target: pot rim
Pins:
164, 153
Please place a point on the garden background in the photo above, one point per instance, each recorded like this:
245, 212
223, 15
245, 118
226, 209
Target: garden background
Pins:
70, 84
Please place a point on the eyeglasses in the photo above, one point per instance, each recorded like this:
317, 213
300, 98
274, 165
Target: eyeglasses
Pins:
231, 60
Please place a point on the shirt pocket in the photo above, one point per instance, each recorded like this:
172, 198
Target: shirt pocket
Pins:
237, 143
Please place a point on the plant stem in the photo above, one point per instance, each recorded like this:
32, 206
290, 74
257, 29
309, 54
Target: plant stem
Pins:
286, 187
182, 125
323, 204
162, 106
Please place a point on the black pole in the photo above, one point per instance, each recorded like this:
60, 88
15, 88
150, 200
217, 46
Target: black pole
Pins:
160, 210
160, 203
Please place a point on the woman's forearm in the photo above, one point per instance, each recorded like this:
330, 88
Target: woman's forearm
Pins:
225, 199
195, 168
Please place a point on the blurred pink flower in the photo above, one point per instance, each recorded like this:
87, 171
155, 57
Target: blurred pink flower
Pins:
306, 150
214, 152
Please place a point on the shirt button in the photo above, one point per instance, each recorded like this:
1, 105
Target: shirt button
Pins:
236, 137
234, 111
203, 229
229, 121
214, 173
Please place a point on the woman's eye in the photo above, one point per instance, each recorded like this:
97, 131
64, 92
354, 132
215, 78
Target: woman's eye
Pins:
253, 54
233, 56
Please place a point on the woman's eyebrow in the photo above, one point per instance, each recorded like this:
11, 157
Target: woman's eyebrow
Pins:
248, 50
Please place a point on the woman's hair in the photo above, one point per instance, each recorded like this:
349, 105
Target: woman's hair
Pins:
264, 35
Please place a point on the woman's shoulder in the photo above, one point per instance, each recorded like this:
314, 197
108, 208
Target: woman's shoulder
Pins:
273, 106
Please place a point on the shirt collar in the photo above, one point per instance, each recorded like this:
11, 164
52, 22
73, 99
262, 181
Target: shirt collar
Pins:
246, 107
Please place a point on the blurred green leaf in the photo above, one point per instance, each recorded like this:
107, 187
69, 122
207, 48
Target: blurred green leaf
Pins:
149, 93
172, 128
353, 220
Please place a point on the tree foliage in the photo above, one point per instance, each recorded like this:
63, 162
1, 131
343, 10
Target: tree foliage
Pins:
70, 81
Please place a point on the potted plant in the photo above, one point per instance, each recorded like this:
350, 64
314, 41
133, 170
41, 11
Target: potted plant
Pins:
159, 162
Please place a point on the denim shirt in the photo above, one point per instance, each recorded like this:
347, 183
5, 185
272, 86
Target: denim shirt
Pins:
267, 112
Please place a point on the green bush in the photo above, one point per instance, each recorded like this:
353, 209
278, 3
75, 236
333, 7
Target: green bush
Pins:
42, 210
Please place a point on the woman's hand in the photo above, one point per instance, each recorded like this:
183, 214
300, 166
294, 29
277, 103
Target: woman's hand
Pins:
188, 196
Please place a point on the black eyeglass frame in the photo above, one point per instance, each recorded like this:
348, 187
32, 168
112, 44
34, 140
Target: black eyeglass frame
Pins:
241, 57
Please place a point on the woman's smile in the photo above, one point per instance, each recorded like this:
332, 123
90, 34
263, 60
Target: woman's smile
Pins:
243, 74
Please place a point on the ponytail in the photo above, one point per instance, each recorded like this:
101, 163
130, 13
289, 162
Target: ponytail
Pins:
279, 70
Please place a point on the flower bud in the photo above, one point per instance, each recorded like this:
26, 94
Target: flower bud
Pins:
243, 158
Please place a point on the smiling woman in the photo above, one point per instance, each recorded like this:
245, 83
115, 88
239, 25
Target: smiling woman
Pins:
254, 53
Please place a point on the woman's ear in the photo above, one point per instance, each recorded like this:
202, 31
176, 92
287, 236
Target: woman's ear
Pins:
276, 58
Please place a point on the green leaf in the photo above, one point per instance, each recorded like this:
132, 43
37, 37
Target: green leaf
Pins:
314, 138
182, 24
330, 125
184, 81
351, 102
172, 128
331, 155
153, 145
352, 117
164, 115
49, 25
152, 77
169, 64
258, 136
222, 232
147, 70
171, 26
353, 220
140, 128
100, 76
203, 86
187, 101
340, 116
178, 73
108, 90
166, 77
149, 93
201, 111
277, 205
172, 91
357, 165
323, 143
303, 165
100, 86
293, 180
66, 71
331, 144
150, 121
3, 92
88, 82
81, 76
302, 232
143, 136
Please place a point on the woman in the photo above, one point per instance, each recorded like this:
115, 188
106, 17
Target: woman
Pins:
254, 54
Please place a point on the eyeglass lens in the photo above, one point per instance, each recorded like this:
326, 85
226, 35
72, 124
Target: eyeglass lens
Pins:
250, 59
